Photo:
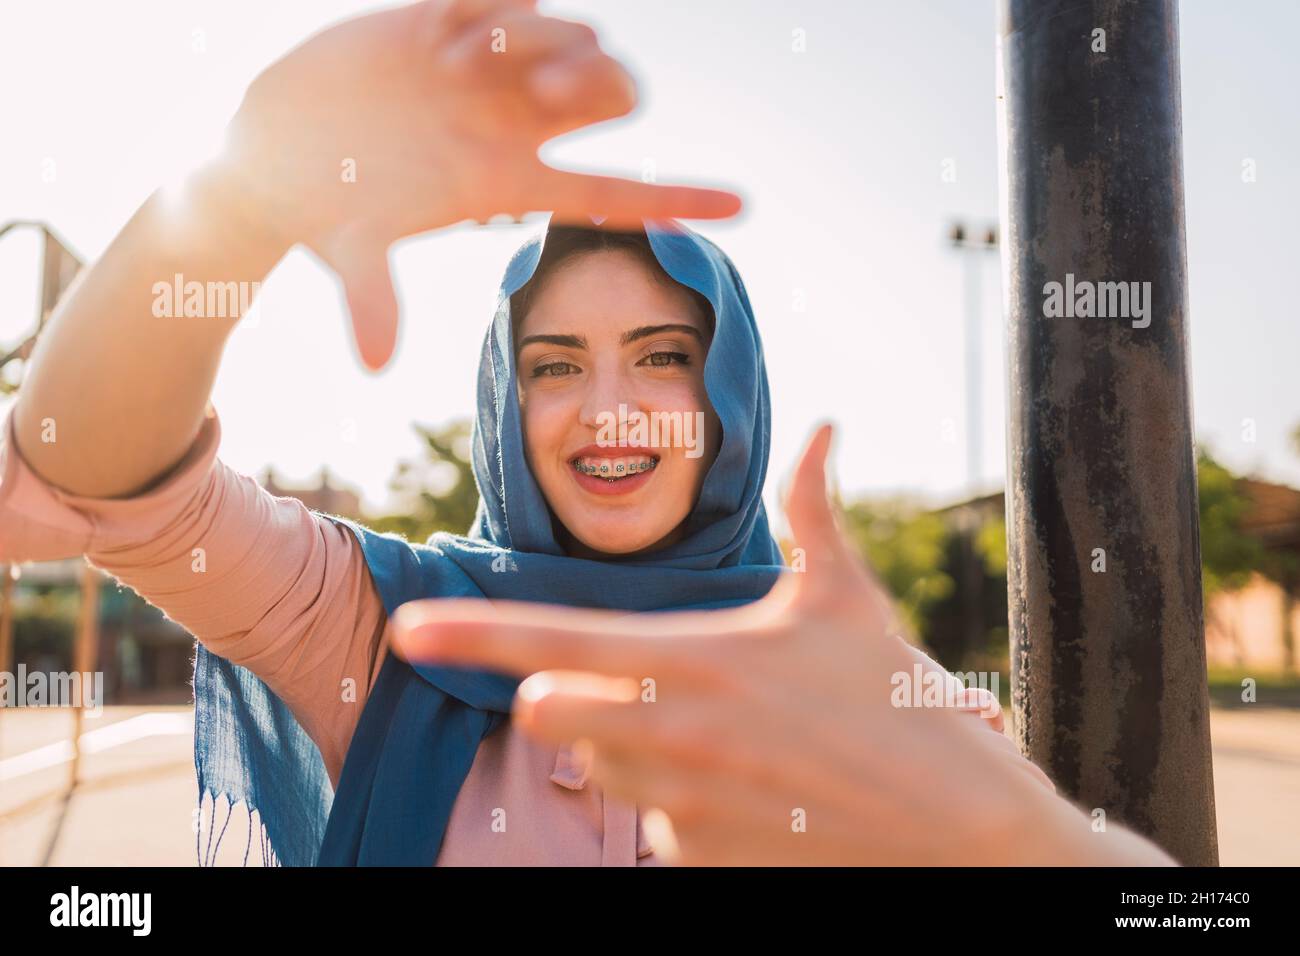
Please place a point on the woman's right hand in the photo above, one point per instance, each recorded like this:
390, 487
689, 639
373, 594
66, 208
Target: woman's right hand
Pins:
775, 735
417, 117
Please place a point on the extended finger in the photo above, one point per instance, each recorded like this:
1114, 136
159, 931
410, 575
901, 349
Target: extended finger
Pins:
808, 508
834, 569
504, 44
716, 817
361, 261
623, 203
983, 703
665, 718
436, 21
521, 637
685, 721
579, 88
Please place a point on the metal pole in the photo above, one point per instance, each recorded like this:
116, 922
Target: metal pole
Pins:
8, 574
972, 573
85, 658
974, 378
1107, 639
59, 267
972, 248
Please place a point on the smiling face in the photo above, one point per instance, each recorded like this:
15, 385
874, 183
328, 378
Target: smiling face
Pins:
605, 340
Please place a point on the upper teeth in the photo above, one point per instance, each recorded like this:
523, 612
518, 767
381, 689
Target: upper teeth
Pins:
614, 467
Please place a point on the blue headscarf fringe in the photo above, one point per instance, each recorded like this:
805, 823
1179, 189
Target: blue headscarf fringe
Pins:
207, 854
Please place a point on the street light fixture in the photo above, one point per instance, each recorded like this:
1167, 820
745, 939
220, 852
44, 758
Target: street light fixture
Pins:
965, 240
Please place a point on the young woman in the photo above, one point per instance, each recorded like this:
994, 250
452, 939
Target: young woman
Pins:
350, 754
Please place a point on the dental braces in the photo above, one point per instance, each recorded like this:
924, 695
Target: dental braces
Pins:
601, 472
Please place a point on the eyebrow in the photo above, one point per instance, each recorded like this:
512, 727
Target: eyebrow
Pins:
644, 331
627, 338
564, 341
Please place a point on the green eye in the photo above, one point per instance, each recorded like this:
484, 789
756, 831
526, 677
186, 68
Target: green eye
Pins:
664, 359
553, 369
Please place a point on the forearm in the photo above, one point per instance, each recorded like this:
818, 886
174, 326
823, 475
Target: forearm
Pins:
1051, 831
119, 380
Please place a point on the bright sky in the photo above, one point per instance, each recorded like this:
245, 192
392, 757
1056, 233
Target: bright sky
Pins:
838, 150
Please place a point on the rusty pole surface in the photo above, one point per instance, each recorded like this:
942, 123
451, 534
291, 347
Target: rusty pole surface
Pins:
1104, 578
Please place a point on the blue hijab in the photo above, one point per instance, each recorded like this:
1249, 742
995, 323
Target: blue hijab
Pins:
421, 725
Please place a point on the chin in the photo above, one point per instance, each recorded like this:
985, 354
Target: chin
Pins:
616, 537
615, 543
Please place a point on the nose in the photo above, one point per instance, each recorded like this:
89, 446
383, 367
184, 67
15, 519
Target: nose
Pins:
607, 389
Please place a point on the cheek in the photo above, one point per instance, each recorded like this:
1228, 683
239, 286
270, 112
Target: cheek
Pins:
691, 397
545, 420
678, 396
695, 398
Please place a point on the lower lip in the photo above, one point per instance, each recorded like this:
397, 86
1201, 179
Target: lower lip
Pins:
623, 486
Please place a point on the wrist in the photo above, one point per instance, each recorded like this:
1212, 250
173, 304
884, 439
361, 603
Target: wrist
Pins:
219, 205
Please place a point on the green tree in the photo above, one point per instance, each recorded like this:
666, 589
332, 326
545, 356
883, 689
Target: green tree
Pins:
907, 546
991, 546
1228, 554
438, 489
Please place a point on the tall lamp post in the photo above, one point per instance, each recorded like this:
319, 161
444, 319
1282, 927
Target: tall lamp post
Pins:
1103, 566
965, 241
973, 245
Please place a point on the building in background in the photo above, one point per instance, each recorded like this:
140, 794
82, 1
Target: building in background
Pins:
1251, 625
325, 497
1255, 626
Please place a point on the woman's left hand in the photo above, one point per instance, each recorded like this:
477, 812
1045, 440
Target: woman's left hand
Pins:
767, 733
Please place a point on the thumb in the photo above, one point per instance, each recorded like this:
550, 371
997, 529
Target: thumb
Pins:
361, 261
808, 509
836, 573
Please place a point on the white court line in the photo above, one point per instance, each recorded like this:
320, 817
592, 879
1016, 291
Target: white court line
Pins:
158, 724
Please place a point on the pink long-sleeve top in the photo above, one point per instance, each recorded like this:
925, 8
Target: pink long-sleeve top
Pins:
285, 592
